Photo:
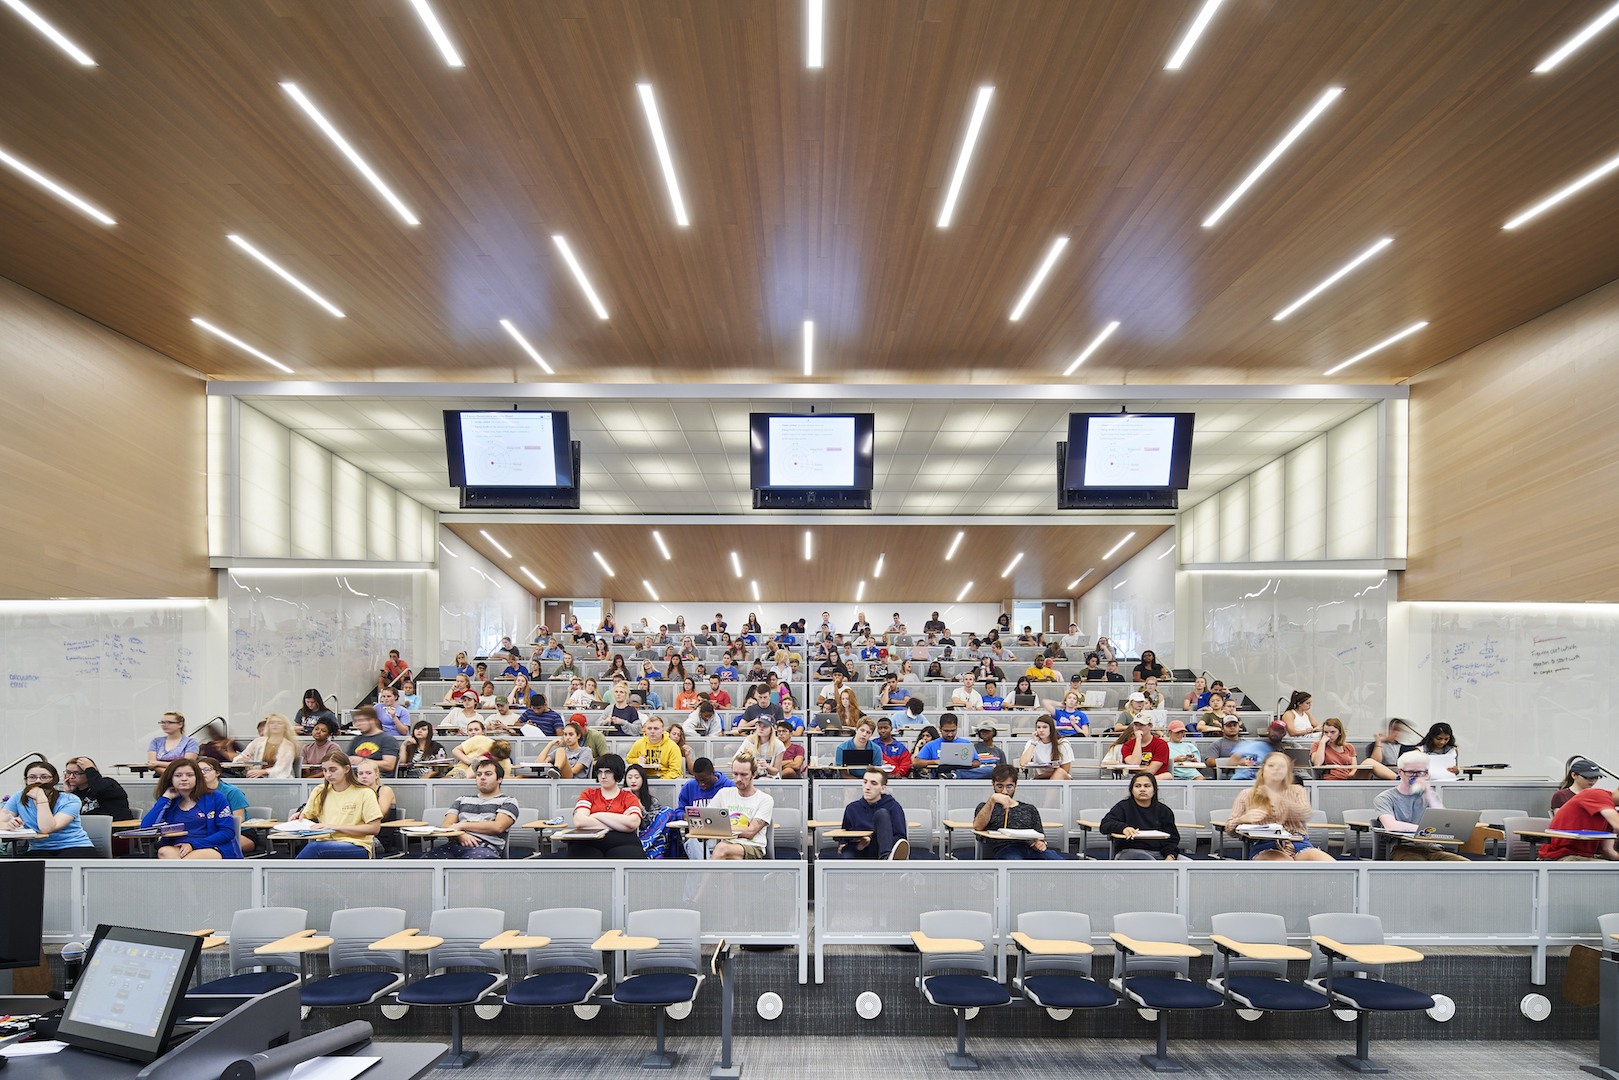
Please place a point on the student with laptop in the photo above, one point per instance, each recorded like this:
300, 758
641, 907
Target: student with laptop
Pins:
948, 751
1402, 808
878, 813
857, 752
749, 809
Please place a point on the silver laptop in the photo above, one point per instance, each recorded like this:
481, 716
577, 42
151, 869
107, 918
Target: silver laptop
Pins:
956, 753
1447, 824
715, 821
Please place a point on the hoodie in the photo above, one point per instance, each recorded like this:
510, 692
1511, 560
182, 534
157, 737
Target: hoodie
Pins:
861, 816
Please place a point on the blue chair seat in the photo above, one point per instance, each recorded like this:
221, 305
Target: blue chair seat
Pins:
248, 984
658, 988
553, 988
1274, 995
1375, 995
451, 988
1167, 993
347, 988
1069, 992
965, 991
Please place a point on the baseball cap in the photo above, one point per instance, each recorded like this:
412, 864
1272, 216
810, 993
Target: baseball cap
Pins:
1142, 721
1138, 696
1076, 677
1224, 720
983, 726
1585, 767
579, 718
1177, 725
1276, 726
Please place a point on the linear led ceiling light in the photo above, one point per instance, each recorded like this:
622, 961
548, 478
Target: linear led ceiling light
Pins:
1039, 275
809, 346
954, 544
650, 104
877, 573
755, 585
1591, 30
55, 189
650, 591
50, 31
440, 38
598, 557
523, 341
244, 346
1350, 265
860, 592
1117, 546
1095, 344
973, 125
288, 278
1316, 110
1193, 32
807, 543
736, 564
964, 590
1013, 564
531, 576
348, 151
814, 18
1075, 583
579, 276
484, 533
1385, 343
661, 545
1547, 203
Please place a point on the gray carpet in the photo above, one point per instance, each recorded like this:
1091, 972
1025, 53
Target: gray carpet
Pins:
1005, 1059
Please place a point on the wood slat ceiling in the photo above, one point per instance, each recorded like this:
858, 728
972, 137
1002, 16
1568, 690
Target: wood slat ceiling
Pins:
812, 194
914, 569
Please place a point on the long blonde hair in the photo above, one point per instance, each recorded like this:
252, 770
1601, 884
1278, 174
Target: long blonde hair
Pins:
1258, 797
317, 798
272, 750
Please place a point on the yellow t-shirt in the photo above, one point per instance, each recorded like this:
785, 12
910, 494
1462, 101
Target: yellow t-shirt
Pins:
476, 747
666, 757
356, 805
1043, 674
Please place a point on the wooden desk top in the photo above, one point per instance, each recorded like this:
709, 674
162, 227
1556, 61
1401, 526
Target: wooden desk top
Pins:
1450, 841
1155, 948
617, 941
409, 940
1050, 946
846, 834
1259, 950
514, 939
568, 832
945, 945
1369, 954
302, 942
1558, 834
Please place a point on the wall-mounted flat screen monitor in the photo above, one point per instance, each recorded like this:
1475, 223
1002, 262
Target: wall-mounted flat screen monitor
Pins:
22, 883
1128, 451
814, 452
510, 449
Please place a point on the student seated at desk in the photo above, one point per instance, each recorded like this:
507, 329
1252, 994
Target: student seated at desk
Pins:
39, 806
419, 745
1333, 748
1071, 719
313, 709
278, 747
216, 743
862, 740
1047, 751
173, 744
1592, 810
763, 747
1580, 774
98, 795
612, 808
321, 734
460, 691
183, 799
792, 763
656, 752
625, 718
1400, 809
1275, 800
1002, 811
892, 696
1184, 756
1444, 761
1211, 721
234, 798
895, 757
344, 805
985, 753
484, 819
568, 754
1142, 812
878, 813
930, 752
749, 808
372, 741
655, 817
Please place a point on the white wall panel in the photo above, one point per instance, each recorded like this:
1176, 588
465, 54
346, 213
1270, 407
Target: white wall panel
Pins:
1267, 512
478, 602
264, 461
348, 511
380, 525
311, 526
1134, 607
1305, 534
1352, 500
1234, 522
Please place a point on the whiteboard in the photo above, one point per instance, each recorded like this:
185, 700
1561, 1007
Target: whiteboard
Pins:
93, 677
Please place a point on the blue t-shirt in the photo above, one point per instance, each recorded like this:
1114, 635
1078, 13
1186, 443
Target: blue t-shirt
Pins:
726, 672
73, 836
870, 652
694, 794
930, 752
1254, 748
467, 670
233, 796
188, 745
1069, 723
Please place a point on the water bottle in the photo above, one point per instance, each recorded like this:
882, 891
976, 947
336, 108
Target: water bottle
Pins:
73, 963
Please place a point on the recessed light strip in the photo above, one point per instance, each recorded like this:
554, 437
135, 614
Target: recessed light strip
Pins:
1546, 204
1193, 32
531, 576
579, 276
877, 573
954, 544
1350, 265
436, 29
1327, 98
51, 32
1039, 275
1117, 546
1385, 343
523, 341
1093, 346
598, 557
1013, 564
55, 189
650, 590
1126, 581
240, 344
807, 543
809, 346
661, 545
814, 29
1591, 30
1075, 583
288, 278
973, 125
348, 151
650, 104
755, 585
485, 534
736, 564
860, 592
964, 590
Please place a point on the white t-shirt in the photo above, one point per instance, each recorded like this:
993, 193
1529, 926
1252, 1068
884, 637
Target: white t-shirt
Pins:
1439, 766
745, 811
1042, 753
970, 699
1300, 724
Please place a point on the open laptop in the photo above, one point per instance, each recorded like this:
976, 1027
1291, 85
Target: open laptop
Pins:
952, 753
1023, 701
1440, 824
854, 756
714, 823
1300, 756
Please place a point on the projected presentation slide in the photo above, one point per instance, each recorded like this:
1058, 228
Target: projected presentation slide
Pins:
126, 987
515, 449
1129, 451
812, 451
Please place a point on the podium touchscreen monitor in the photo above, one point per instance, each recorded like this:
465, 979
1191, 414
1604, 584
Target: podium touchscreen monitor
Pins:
133, 984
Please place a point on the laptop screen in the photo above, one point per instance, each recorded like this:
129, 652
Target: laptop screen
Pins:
853, 756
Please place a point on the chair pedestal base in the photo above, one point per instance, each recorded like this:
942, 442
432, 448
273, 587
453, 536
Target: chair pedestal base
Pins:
1598, 1070
659, 1059
458, 1061
961, 1062
1160, 1064
1361, 1060
1362, 1065
732, 1072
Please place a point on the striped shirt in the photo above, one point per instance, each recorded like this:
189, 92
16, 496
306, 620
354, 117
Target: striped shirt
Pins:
480, 808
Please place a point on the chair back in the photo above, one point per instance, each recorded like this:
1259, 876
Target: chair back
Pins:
1094, 836
1496, 818
972, 925
1253, 928
572, 932
920, 835
252, 927
961, 838
678, 931
1154, 926
1056, 926
1346, 929
1608, 924
99, 828
354, 929
255, 812
434, 815
785, 828
463, 931
523, 839
1512, 826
